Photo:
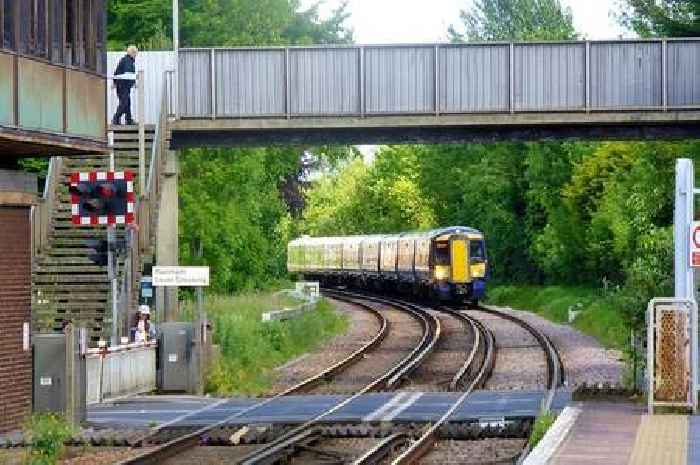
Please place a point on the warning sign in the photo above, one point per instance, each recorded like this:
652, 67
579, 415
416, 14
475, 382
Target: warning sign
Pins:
695, 245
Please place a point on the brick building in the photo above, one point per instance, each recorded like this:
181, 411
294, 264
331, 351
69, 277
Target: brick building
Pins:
52, 102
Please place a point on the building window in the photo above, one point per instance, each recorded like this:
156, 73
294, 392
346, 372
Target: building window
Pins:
57, 18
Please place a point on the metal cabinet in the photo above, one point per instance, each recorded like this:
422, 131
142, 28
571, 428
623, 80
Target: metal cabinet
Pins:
175, 342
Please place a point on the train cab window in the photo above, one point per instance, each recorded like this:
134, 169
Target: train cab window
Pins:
476, 252
442, 254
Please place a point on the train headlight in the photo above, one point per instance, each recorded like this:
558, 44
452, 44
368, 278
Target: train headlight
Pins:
442, 272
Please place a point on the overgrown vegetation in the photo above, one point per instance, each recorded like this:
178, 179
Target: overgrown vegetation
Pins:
251, 349
599, 315
46, 435
542, 424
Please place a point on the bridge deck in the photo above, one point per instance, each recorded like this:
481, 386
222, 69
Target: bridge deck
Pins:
482, 128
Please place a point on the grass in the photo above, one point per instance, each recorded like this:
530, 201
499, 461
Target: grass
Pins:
47, 434
251, 349
599, 318
542, 424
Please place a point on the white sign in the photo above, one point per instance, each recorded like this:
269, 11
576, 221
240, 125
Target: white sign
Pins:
172, 358
25, 337
695, 245
45, 381
184, 276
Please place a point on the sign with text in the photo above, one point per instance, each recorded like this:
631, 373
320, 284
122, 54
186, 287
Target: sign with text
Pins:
695, 245
182, 276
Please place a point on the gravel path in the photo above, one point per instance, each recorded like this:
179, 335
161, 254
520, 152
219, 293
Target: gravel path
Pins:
404, 334
484, 451
520, 361
585, 360
211, 455
446, 359
363, 327
347, 449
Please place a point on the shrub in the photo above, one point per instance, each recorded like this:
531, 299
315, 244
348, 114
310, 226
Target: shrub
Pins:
542, 424
47, 434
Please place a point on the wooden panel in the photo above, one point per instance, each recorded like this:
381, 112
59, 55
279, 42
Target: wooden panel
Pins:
7, 86
86, 112
40, 96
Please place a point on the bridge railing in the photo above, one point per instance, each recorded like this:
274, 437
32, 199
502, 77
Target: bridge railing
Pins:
363, 81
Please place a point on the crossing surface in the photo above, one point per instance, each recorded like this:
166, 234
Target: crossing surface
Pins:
184, 411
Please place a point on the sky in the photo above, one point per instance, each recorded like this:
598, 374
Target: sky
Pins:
420, 21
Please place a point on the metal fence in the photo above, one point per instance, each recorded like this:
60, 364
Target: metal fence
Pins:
126, 371
439, 79
154, 66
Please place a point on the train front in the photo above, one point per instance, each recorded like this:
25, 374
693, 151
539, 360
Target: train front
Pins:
460, 266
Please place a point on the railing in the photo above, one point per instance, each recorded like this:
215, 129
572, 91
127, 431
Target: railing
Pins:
141, 239
363, 81
41, 213
122, 370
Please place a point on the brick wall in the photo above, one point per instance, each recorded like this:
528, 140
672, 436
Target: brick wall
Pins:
15, 309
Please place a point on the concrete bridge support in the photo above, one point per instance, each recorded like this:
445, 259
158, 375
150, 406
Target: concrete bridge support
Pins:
167, 236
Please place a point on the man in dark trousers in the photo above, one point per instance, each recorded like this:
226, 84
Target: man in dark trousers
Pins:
124, 79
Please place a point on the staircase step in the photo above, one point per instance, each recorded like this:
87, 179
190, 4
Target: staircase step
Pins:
71, 279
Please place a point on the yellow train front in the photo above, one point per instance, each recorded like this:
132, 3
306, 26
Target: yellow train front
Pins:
448, 263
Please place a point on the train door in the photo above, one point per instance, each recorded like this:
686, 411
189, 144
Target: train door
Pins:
459, 259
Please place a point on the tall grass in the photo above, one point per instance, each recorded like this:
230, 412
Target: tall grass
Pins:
600, 317
251, 349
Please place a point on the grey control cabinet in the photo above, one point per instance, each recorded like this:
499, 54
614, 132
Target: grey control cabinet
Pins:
175, 344
60, 383
50, 377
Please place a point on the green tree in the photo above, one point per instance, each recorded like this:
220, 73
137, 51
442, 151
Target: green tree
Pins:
490, 20
148, 23
664, 18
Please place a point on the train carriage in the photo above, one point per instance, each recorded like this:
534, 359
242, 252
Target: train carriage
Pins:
448, 263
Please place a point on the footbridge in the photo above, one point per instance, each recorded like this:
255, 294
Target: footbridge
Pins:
627, 89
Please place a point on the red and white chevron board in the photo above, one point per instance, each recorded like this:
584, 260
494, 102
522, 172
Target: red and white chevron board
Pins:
95, 176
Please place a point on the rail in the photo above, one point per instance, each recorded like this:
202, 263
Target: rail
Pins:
431, 333
442, 79
41, 213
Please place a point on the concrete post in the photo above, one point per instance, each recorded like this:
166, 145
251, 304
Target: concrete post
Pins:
683, 216
166, 237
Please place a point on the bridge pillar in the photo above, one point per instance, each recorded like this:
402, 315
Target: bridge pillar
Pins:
167, 240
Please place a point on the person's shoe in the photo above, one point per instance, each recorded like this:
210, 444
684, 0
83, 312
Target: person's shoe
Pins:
115, 123
130, 122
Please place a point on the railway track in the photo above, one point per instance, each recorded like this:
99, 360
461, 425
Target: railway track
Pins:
304, 433
309, 439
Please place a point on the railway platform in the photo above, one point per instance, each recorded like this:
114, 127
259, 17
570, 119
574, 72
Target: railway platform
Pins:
405, 406
604, 433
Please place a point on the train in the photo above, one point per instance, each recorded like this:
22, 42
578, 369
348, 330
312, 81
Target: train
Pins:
449, 263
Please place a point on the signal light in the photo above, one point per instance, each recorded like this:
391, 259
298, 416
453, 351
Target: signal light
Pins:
102, 198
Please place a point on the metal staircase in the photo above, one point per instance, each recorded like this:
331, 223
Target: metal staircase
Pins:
67, 285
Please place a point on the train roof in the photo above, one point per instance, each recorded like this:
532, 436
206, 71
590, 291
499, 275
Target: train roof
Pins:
308, 240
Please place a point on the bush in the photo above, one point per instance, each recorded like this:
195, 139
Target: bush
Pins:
47, 434
251, 349
542, 424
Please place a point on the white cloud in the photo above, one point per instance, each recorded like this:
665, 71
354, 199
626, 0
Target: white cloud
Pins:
421, 21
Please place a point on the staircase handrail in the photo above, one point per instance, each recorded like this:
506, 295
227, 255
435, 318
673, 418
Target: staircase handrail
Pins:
41, 213
141, 239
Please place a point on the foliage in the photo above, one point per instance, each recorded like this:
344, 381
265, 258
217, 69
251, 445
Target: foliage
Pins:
148, 23
47, 434
515, 20
542, 424
600, 315
251, 349
661, 18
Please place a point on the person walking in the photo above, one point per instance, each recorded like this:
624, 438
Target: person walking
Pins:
123, 80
